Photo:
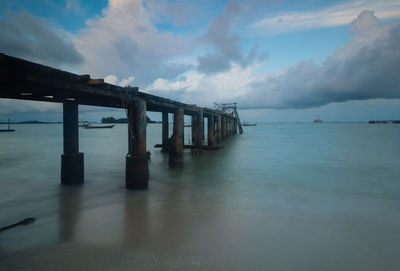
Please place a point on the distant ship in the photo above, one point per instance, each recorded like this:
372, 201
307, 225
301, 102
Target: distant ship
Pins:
7, 130
245, 123
317, 120
90, 126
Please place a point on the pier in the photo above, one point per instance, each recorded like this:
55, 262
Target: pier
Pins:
25, 80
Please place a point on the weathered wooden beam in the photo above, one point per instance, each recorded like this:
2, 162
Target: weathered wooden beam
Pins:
137, 167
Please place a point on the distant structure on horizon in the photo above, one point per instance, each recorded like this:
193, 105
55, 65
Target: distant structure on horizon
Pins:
317, 120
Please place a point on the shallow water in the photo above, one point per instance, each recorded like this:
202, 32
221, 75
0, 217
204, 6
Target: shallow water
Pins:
279, 197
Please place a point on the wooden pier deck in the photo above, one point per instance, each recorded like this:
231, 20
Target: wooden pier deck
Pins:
25, 80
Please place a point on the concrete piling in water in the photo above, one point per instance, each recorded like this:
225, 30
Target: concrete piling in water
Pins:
193, 128
165, 130
219, 129
199, 131
223, 127
176, 141
210, 131
72, 165
137, 162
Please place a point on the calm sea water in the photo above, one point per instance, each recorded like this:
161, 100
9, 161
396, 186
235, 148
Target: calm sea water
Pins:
279, 197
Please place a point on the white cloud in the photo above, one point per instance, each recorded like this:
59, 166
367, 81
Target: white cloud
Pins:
333, 16
123, 41
111, 79
365, 68
127, 81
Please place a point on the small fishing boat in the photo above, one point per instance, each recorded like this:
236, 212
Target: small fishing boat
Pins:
90, 126
317, 120
7, 130
245, 123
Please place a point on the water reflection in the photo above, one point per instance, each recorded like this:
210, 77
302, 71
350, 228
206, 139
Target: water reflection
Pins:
70, 204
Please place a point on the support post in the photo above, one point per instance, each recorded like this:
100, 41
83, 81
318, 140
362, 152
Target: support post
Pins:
228, 126
235, 126
211, 131
223, 127
165, 129
176, 140
219, 128
137, 162
72, 169
199, 128
193, 128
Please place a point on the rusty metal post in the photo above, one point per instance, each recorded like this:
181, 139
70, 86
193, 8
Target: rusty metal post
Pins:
137, 162
72, 168
165, 129
223, 126
176, 140
211, 131
235, 126
219, 128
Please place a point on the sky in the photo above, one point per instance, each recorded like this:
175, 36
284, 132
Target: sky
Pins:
281, 61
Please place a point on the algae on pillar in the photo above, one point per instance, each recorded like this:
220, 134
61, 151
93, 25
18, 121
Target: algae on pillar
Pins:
137, 162
72, 169
176, 141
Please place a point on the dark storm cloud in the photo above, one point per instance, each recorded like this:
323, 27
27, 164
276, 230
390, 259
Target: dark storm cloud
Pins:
225, 45
365, 68
25, 36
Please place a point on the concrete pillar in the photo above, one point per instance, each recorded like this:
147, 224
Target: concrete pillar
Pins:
199, 129
193, 118
228, 119
211, 131
165, 129
223, 126
176, 140
219, 128
137, 162
72, 169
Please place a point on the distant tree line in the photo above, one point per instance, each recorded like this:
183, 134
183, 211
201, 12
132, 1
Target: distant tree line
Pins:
122, 120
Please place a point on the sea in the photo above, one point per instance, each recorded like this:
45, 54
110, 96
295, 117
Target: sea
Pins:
280, 196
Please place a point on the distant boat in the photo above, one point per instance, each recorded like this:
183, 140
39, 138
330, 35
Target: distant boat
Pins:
7, 130
245, 123
90, 126
317, 120
83, 123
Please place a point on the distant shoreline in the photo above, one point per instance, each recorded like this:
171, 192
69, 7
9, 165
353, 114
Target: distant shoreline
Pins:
31, 122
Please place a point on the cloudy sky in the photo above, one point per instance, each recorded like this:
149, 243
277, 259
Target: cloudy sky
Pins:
280, 60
